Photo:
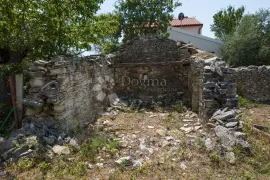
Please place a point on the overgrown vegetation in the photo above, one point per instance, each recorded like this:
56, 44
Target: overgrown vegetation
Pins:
260, 157
249, 44
93, 146
74, 165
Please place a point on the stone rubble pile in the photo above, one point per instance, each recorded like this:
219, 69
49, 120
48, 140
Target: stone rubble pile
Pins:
219, 88
42, 134
228, 129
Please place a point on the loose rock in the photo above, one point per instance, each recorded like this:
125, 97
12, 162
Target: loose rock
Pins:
61, 150
124, 161
160, 132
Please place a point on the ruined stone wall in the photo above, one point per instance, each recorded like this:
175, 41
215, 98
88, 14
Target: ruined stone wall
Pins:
153, 69
218, 88
195, 82
164, 83
67, 89
253, 83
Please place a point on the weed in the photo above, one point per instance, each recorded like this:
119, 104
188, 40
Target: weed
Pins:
214, 157
247, 175
179, 107
243, 102
73, 126
79, 169
25, 164
200, 142
44, 167
91, 147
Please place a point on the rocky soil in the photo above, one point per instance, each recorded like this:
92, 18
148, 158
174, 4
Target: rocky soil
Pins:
145, 145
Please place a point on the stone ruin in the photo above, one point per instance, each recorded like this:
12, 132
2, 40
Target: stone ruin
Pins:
69, 92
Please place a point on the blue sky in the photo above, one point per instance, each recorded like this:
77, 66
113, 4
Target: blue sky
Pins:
204, 10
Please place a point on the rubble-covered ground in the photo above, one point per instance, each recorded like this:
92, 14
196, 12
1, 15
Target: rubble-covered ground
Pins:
150, 145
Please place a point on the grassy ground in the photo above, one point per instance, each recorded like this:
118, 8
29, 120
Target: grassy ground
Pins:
183, 158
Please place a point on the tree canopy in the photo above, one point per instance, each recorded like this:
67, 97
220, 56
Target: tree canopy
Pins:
226, 21
250, 43
141, 17
46, 28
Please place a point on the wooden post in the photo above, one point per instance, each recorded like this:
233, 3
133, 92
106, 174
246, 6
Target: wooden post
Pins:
19, 97
11, 85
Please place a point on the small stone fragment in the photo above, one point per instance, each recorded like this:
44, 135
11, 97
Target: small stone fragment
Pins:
99, 164
61, 150
74, 143
124, 161
161, 132
186, 130
187, 120
169, 138
137, 163
165, 143
183, 166
197, 127
208, 144
89, 166
231, 124
230, 157
123, 143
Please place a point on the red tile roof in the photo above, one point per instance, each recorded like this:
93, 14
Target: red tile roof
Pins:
186, 22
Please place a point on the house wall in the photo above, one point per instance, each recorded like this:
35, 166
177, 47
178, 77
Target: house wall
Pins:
202, 42
192, 29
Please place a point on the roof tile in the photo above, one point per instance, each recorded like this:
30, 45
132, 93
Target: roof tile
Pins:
185, 22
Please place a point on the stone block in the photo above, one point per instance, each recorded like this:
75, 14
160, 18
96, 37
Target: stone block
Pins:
37, 82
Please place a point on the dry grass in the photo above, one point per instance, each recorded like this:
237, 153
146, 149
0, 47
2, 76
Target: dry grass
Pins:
164, 162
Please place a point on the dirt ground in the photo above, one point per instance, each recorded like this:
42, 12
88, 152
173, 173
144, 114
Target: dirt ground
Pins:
260, 115
161, 145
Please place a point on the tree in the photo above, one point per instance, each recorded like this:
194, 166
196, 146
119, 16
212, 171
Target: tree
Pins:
141, 17
226, 21
46, 28
109, 32
249, 44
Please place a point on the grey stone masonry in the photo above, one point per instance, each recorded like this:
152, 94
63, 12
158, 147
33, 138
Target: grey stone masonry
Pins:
218, 88
253, 83
62, 88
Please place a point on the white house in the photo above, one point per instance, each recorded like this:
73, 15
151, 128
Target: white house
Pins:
188, 24
202, 42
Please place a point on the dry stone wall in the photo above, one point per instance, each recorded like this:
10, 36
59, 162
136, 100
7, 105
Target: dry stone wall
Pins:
153, 69
254, 83
218, 88
67, 89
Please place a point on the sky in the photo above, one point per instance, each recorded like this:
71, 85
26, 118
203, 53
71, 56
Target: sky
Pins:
204, 10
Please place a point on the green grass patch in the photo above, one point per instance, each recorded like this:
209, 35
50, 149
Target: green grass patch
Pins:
243, 102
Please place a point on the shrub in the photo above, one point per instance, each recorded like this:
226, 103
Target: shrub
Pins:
249, 44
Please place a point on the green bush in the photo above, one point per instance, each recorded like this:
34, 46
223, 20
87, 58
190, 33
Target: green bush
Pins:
250, 43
